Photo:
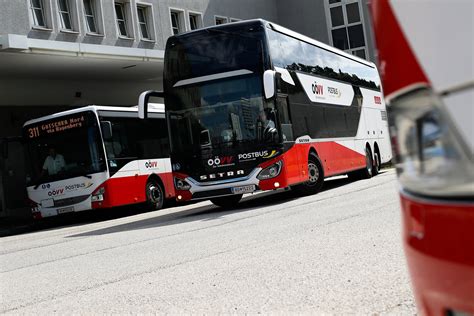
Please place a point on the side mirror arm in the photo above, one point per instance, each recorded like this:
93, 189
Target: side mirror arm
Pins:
143, 102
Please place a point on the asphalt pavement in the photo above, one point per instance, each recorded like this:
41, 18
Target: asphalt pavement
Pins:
336, 252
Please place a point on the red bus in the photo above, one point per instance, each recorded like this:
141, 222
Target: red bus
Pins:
429, 86
97, 157
254, 106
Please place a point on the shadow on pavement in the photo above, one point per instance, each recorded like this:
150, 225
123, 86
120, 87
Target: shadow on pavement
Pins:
198, 213
211, 212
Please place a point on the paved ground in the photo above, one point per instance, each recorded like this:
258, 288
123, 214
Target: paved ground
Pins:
335, 252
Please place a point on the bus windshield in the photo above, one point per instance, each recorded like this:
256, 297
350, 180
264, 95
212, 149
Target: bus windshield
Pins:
64, 147
213, 81
221, 113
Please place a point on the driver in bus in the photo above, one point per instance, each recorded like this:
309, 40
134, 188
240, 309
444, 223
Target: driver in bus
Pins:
267, 121
54, 163
267, 117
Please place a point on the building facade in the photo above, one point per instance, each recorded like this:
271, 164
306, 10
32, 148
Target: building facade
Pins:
56, 54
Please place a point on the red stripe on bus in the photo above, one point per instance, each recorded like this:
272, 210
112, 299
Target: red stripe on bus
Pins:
131, 190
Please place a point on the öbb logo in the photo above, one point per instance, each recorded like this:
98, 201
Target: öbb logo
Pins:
56, 192
317, 88
151, 164
218, 161
377, 100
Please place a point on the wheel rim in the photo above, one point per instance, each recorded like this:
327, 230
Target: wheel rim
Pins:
154, 194
313, 173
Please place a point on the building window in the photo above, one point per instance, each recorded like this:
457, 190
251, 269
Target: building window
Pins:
177, 25
121, 19
195, 20
90, 16
346, 26
64, 15
234, 20
37, 9
142, 13
220, 20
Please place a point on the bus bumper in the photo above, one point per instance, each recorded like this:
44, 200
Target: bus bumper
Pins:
439, 245
42, 212
250, 184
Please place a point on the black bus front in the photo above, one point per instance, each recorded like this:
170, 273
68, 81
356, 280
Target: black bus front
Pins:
224, 134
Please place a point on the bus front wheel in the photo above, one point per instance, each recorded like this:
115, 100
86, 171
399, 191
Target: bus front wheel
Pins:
315, 177
227, 201
155, 195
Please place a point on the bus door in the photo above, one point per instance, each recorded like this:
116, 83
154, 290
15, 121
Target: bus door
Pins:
13, 179
292, 163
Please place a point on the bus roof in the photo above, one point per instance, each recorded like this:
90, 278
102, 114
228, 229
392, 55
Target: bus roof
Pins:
153, 108
282, 30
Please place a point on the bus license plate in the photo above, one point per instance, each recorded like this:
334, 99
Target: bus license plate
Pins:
243, 189
65, 210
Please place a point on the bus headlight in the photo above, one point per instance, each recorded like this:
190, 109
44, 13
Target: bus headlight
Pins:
432, 158
98, 195
181, 184
271, 171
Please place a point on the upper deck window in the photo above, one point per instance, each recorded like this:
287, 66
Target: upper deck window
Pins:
291, 53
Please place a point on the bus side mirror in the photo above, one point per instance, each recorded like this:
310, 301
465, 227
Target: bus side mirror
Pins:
106, 127
143, 101
269, 83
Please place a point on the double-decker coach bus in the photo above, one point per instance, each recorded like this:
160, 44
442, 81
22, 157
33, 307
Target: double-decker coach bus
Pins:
254, 106
97, 157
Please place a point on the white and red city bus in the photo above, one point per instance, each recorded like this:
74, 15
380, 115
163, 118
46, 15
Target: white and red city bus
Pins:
426, 53
97, 157
255, 106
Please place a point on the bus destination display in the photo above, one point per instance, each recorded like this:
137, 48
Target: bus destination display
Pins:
56, 126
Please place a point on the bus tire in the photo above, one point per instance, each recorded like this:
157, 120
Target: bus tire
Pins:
227, 201
155, 195
367, 172
316, 177
376, 164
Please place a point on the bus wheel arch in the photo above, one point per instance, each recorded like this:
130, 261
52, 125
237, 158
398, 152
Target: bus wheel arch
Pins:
312, 151
155, 192
315, 175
